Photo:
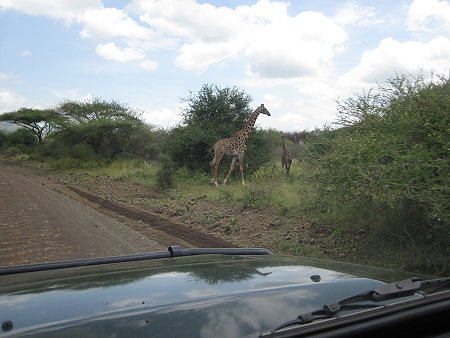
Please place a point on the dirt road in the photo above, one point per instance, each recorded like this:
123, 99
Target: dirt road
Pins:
40, 224
44, 220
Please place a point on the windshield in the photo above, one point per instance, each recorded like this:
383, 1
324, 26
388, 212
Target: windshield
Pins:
309, 128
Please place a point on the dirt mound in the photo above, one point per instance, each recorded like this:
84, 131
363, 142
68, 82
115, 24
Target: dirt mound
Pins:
194, 237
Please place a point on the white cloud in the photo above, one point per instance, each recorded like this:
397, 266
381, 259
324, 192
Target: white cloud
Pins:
65, 10
9, 100
310, 102
317, 101
110, 23
428, 16
273, 101
70, 94
273, 43
353, 14
187, 19
149, 65
200, 56
202, 34
4, 76
165, 117
293, 120
110, 51
295, 46
263, 12
25, 53
11, 78
392, 56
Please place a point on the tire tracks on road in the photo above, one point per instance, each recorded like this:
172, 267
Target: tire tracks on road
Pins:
194, 237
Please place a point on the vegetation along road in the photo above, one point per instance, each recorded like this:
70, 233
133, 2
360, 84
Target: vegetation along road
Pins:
40, 224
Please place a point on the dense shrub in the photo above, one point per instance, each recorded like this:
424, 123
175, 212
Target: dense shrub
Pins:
387, 167
22, 137
12, 151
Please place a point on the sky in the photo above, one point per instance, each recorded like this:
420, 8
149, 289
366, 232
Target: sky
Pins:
297, 57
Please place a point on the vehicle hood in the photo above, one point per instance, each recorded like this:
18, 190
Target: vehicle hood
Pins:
204, 296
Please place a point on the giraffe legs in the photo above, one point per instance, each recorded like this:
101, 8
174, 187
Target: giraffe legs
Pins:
241, 169
233, 164
214, 166
288, 167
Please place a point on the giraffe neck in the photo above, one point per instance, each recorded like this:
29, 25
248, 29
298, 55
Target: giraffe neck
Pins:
284, 147
244, 132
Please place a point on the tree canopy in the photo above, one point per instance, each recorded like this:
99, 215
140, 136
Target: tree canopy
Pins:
39, 121
106, 128
86, 129
78, 112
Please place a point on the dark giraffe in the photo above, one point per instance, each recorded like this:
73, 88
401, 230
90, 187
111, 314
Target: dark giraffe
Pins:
234, 146
286, 158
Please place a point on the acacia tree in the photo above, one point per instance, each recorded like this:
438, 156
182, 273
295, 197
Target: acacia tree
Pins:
106, 128
40, 122
78, 112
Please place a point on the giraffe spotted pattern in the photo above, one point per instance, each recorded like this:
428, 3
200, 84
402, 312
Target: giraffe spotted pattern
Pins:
234, 146
286, 158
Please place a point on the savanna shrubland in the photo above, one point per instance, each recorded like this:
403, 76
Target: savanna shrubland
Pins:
380, 171
386, 168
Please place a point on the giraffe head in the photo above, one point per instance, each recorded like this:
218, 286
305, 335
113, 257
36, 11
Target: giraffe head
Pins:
262, 110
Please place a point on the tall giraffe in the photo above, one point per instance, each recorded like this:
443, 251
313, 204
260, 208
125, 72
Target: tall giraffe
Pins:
286, 158
234, 146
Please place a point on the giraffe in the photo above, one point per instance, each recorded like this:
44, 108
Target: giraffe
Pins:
234, 146
286, 158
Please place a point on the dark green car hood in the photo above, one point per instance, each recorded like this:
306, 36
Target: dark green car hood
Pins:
202, 296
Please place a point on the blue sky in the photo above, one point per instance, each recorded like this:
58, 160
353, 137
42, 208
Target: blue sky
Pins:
296, 57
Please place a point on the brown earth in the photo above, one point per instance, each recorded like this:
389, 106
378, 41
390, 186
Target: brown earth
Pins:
169, 219
39, 224
198, 222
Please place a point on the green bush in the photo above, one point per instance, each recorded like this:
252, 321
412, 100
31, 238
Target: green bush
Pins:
23, 139
12, 151
269, 172
387, 167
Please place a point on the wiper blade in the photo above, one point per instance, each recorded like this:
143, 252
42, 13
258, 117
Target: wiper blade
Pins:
173, 251
404, 288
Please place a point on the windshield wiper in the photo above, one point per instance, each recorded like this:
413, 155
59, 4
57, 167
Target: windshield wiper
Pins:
173, 251
404, 288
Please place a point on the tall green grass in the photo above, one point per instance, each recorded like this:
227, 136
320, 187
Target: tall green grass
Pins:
123, 169
268, 187
136, 170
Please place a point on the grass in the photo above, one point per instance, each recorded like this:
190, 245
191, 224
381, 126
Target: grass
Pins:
266, 188
261, 190
136, 170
